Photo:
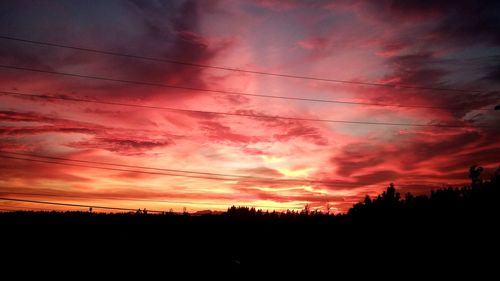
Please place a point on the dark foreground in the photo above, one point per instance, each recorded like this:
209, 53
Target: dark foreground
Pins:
453, 232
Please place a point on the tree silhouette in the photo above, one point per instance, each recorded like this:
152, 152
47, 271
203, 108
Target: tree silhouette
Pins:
475, 174
307, 208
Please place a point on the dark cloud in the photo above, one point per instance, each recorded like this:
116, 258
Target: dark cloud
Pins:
299, 130
493, 74
429, 34
129, 146
419, 158
378, 177
415, 69
25, 117
122, 141
454, 23
409, 10
278, 5
421, 70
288, 130
55, 125
485, 156
18, 131
217, 132
429, 148
169, 30
357, 157
12, 145
470, 22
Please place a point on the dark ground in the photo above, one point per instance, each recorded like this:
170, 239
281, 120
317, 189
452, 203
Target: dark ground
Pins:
453, 232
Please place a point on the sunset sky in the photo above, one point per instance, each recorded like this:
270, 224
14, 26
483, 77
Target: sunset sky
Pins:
442, 56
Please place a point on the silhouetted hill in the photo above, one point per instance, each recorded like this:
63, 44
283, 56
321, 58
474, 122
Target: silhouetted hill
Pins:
452, 230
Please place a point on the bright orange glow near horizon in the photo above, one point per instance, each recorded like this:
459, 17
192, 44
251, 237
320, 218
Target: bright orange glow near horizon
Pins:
171, 160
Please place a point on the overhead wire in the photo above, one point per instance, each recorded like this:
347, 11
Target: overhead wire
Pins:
199, 175
260, 116
99, 197
75, 205
190, 174
179, 62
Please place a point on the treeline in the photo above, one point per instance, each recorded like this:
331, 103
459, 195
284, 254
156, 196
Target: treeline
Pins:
482, 196
411, 233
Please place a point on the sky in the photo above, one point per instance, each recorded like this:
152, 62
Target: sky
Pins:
442, 59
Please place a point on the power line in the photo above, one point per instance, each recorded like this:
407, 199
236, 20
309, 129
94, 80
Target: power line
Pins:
234, 177
280, 97
196, 174
219, 91
176, 170
143, 83
144, 200
262, 116
74, 205
387, 85
116, 169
